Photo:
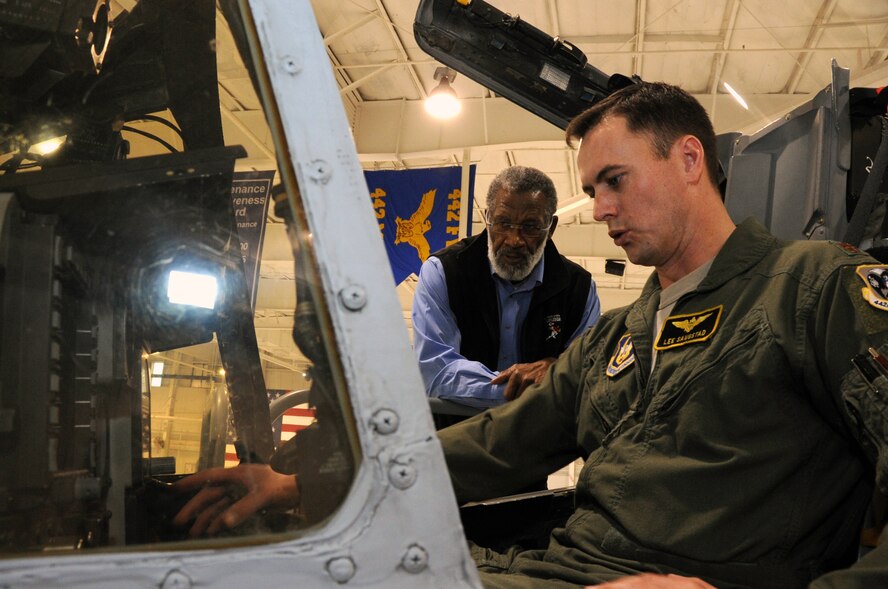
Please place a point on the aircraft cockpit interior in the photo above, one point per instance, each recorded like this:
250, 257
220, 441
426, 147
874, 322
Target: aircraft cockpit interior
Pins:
128, 351
196, 306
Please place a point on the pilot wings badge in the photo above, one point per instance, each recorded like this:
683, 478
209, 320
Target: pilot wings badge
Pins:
689, 324
681, 330
412, 231
623, 358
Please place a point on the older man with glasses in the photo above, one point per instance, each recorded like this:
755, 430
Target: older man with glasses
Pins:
493, 311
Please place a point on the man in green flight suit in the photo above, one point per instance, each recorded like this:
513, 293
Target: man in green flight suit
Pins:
732, 419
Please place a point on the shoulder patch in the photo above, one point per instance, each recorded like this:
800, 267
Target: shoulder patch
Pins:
681, 330
846, 247
875, 281
622, 358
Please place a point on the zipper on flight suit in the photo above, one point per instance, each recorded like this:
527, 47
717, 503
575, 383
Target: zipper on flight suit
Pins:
633, 408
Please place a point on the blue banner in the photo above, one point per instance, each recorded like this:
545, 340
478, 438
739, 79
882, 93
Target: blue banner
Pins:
418, 213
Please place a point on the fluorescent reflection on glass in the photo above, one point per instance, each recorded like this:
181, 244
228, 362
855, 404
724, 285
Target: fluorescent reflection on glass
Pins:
156, 373
196, 290
736, 95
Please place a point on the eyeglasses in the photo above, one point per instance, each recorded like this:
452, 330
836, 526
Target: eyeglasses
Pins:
528, 230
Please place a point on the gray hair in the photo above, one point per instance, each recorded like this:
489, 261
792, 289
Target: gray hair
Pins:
521, 179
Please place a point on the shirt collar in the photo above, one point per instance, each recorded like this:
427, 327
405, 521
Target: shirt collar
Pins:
748, 244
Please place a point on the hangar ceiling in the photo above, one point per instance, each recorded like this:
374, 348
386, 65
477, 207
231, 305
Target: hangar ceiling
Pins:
775, 54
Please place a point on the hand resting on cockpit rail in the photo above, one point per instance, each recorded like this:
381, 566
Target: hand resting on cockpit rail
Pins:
226, 497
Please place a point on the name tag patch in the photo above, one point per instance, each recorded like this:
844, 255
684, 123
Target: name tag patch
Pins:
623, 358
681, 330
875, 280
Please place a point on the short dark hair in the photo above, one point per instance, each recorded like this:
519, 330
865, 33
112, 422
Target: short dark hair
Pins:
661, 111
522, 179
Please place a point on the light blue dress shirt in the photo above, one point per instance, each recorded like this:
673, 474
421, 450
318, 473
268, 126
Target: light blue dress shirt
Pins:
436, 338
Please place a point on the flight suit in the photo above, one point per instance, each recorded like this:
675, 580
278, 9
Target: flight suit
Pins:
745, 457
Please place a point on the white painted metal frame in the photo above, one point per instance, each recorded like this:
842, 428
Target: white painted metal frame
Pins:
399, 527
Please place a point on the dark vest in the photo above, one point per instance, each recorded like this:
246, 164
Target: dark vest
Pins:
556, 307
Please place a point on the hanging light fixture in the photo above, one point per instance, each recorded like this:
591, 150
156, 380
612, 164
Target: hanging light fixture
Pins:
443, 103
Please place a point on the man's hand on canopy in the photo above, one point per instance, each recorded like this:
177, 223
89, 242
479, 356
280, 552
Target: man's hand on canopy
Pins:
518, 377
653, 581
226, 497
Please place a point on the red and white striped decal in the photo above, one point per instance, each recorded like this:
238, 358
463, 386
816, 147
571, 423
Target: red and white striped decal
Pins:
230, 456
296, 419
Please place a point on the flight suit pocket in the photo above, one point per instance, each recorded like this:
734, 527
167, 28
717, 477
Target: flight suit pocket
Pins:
612, 399
723, 573
866, 401
726, 365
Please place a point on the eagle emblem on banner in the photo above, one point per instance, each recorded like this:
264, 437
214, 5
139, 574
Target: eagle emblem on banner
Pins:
412, 231
418, 212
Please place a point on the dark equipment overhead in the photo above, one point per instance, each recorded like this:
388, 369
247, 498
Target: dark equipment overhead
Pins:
548, 76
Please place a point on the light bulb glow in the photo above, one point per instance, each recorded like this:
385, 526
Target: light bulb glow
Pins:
47, 147
443, 103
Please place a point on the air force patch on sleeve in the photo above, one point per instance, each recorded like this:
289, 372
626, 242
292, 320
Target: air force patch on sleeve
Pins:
875, 280
623, 358
681, 330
